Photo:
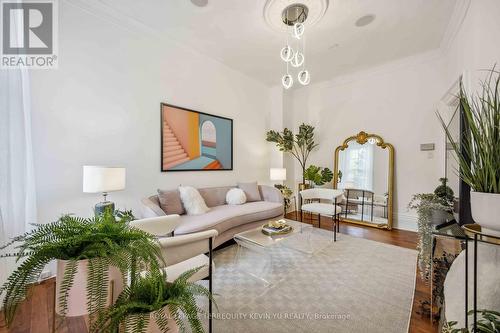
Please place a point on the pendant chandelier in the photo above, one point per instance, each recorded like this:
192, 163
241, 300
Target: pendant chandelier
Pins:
293, 53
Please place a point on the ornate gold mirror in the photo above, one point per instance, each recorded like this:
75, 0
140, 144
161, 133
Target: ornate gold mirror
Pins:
364, 170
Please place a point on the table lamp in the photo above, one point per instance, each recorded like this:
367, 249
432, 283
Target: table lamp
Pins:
101, 179
277, 174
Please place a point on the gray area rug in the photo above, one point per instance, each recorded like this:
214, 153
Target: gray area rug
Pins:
353, 285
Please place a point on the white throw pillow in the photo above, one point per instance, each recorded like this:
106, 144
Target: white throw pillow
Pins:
236, 196
192, 201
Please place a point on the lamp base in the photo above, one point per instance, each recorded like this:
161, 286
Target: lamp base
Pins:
105, 206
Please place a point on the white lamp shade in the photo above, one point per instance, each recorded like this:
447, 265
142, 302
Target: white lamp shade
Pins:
97, 179
277, 174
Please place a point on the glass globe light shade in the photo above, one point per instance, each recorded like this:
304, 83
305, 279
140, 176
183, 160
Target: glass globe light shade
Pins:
287, 81
286, 53
297, 60
298, 30
304, 77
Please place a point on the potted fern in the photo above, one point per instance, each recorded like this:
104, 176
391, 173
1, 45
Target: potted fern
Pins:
154, 305
90, 252
478, 153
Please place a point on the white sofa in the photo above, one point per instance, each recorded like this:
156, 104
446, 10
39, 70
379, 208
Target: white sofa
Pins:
227, 220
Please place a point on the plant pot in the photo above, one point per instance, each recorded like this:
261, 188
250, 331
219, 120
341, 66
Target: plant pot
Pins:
439, 216
485, 209
303, 186
153, 326
77, 294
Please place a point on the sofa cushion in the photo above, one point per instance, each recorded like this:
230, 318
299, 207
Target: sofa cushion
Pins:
214, 196
225, 217
192, 201
236, 196
251, 191
170, 202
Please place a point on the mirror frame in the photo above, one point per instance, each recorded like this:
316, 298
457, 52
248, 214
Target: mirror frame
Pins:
362, 138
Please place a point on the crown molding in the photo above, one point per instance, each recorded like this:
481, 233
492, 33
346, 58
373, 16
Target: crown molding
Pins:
109, 14
456, 20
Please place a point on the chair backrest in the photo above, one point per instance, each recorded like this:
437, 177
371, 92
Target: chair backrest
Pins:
354, 193
321, 193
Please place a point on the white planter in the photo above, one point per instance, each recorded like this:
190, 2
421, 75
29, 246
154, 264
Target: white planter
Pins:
153, 327
488, 291
439, 216
485, 209
77, 295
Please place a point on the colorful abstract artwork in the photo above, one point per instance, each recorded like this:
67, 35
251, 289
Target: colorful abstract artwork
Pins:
195, 141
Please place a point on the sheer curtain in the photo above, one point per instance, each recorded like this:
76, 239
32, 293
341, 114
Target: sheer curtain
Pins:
17, 184
356, 164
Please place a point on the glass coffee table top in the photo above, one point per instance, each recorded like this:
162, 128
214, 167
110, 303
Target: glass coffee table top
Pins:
256, 237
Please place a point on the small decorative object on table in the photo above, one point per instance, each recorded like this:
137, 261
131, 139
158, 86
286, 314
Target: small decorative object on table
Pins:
279, 227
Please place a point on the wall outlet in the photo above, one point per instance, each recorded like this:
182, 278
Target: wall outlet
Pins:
427, 147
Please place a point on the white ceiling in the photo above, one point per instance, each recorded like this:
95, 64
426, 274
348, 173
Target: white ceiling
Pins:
234, 32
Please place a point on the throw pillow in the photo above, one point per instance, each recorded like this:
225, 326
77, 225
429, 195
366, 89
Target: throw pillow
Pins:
170, 202
236, 196
251, 191
192, 200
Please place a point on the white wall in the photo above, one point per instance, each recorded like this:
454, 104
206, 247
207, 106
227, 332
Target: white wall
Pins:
102, 107
475, 45
396, 101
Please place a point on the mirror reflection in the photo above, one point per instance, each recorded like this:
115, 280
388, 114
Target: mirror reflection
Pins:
363, 171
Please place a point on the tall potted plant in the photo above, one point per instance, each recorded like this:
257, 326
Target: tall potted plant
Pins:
478, 153
90, 252
298, 145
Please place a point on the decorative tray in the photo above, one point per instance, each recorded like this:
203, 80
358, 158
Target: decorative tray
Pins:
279, 227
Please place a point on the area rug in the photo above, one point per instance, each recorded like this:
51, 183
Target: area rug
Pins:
352, 285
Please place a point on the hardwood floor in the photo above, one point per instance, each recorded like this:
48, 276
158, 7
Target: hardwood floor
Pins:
36, 314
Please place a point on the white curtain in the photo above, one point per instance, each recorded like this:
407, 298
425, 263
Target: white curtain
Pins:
17, 183
356, 165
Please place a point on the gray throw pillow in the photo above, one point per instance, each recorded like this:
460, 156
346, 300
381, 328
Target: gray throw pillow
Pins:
170, 202
251, 191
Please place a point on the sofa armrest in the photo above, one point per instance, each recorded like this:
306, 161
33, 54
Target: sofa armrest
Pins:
159, 226
179, 248
271, 194
150, 209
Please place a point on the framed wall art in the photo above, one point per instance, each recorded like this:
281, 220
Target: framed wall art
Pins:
195, 141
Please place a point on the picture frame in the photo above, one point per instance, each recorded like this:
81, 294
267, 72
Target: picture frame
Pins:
194, 141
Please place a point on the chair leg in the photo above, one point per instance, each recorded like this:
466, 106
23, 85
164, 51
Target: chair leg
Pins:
210, 285
319, 220
335, 223
301, 215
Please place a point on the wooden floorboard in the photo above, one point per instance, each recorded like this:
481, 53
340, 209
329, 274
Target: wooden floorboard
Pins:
36, 313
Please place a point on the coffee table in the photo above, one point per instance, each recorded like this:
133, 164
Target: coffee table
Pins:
267, 258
